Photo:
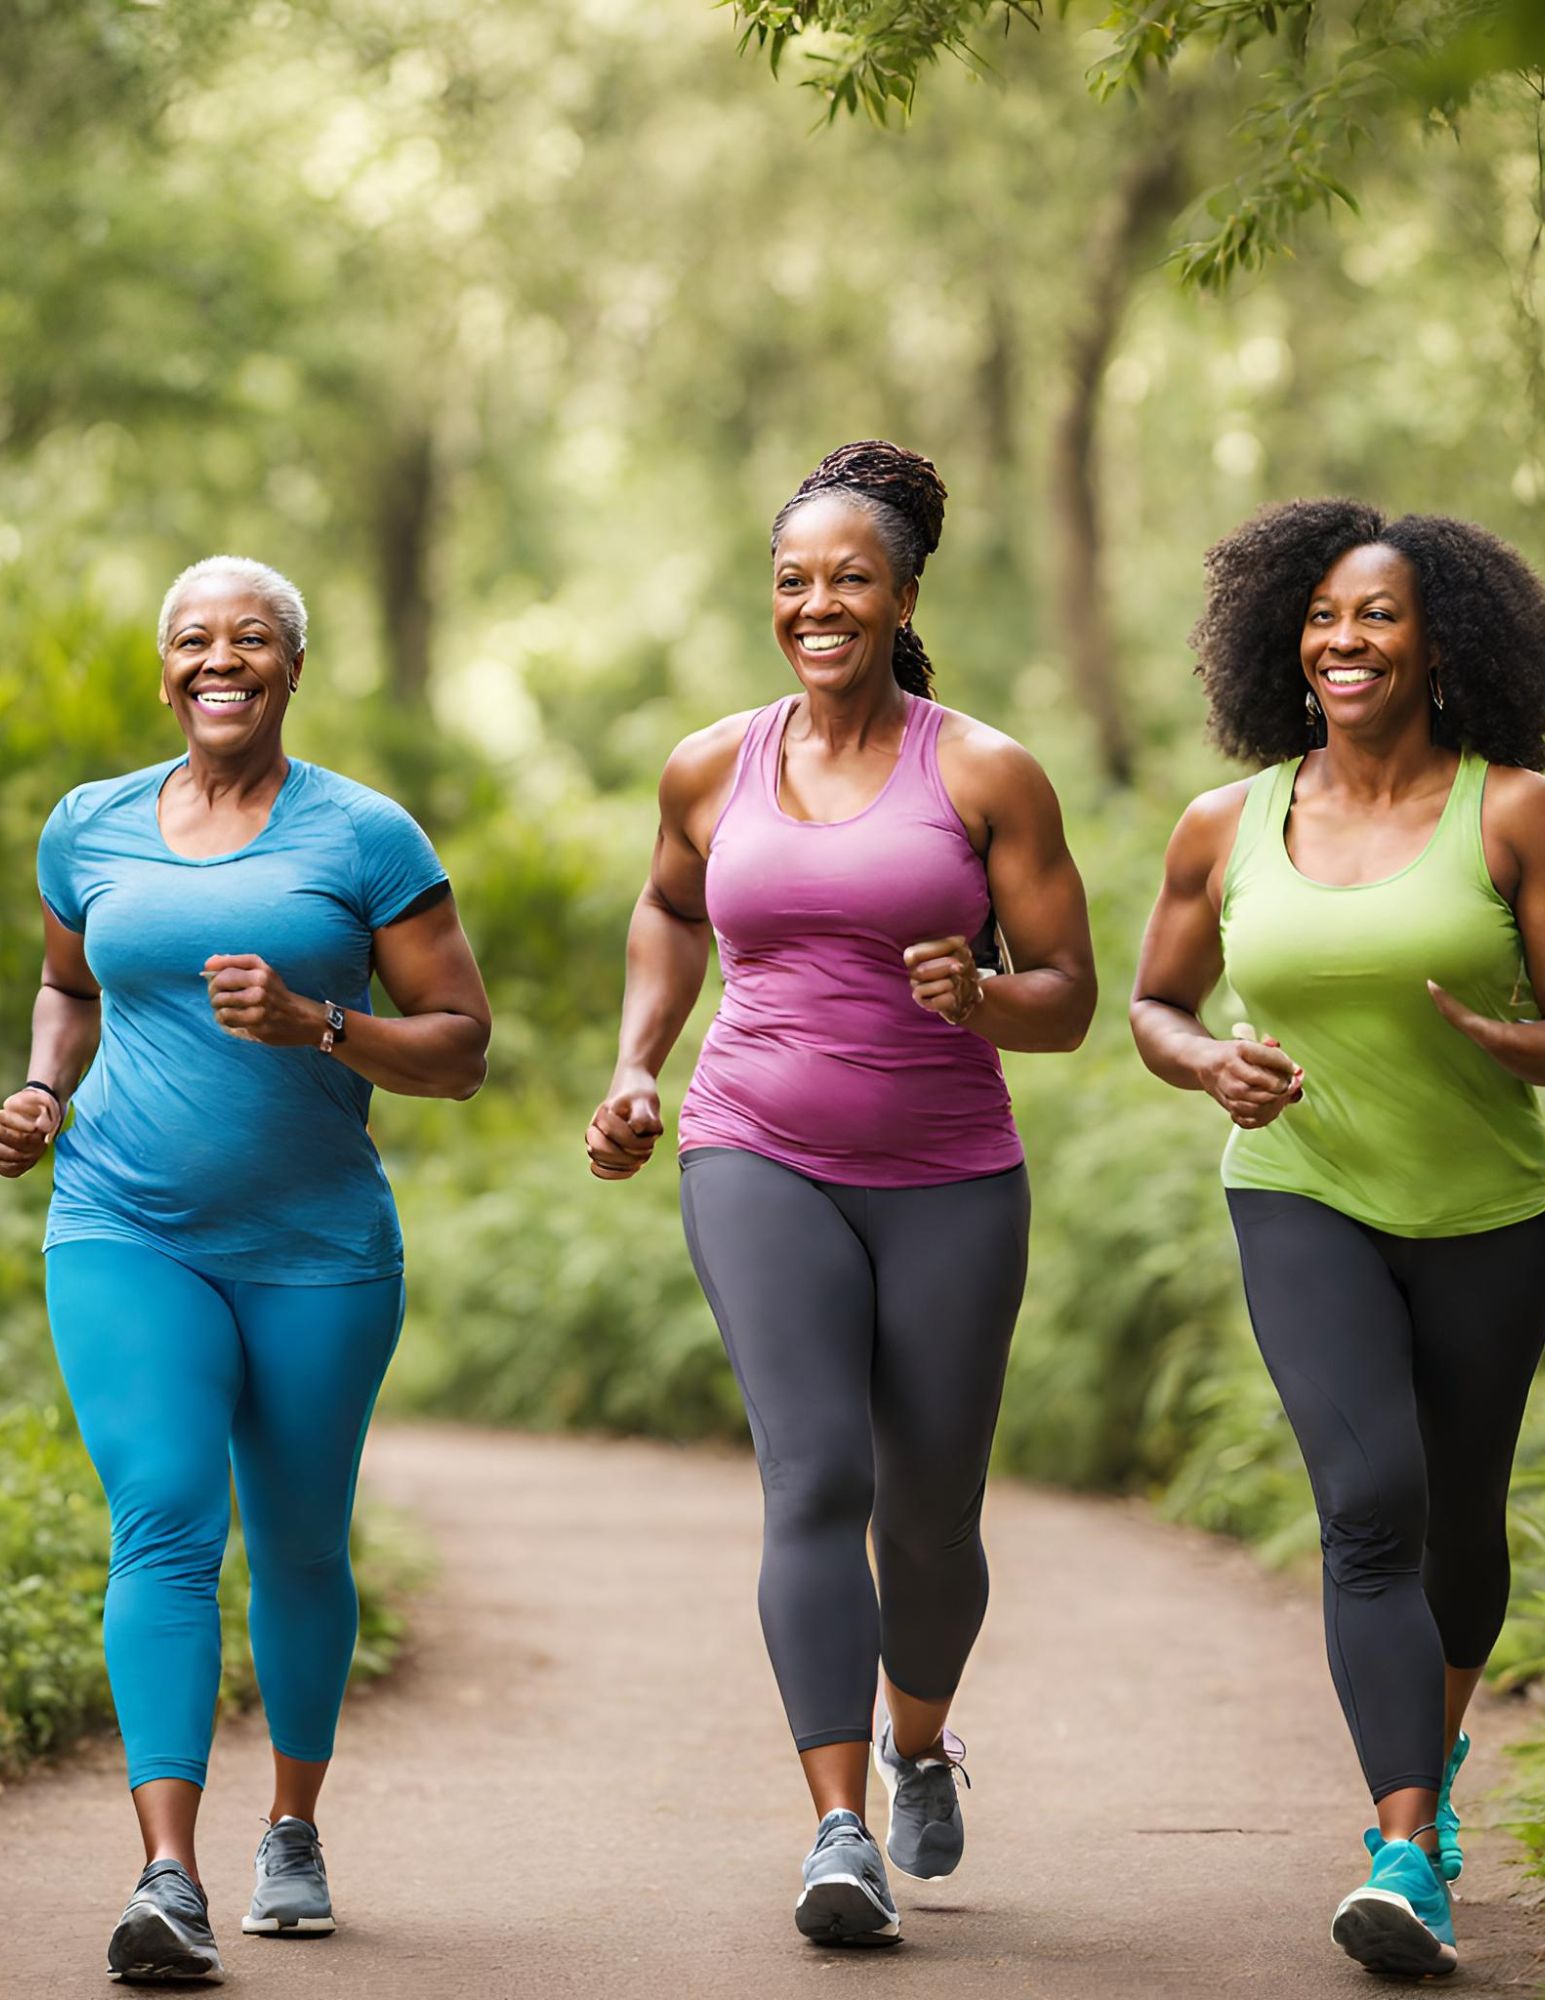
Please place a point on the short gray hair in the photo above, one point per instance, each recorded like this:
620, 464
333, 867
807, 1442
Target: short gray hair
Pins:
283, 599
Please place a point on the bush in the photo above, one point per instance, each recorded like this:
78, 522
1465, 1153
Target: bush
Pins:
538, 1296
53, 1570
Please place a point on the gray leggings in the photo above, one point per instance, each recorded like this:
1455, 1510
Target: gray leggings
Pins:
869, 1331
1403, 1364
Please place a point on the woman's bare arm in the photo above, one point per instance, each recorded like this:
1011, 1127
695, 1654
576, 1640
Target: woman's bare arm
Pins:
1046, 1000
668, 944
1182, 961
66, 1024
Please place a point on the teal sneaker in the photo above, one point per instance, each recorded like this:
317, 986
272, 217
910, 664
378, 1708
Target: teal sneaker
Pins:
1450, 1855
1400, 1919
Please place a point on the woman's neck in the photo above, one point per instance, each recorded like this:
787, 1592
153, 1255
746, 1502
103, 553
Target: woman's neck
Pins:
247, 780
851, 720
1378, 773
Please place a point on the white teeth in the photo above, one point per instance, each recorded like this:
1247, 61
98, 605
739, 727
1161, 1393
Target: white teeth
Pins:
224, 697
1349, 676
823, 642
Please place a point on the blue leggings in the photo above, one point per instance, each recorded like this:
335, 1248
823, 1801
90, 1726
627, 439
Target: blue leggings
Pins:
175, 1378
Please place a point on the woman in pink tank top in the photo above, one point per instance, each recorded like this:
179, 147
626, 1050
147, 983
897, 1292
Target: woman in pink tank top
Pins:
853, 1184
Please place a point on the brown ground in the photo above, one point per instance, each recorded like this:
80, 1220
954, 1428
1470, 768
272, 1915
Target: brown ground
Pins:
580, 1784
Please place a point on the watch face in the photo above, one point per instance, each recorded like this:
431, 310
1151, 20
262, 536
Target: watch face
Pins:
335, 1017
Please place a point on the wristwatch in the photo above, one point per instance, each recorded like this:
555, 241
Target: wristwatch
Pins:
334, 1031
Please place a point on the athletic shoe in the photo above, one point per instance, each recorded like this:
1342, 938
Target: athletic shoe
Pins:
927, 1835
164, 1931
846, 1898
1450, 1855
1400, 1920
291, 1894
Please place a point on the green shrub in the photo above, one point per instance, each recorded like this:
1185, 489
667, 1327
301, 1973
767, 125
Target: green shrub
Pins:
53, 1569
539, 1296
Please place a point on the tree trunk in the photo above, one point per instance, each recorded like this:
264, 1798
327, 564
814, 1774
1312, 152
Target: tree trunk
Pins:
1144, 198
999, 417
404, 524
997, 385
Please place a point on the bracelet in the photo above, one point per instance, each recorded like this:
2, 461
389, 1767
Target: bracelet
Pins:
48, 1090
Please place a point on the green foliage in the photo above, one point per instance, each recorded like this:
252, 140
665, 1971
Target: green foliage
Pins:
1322, 84
540, 1298
1147, 39
77, 694
866, 56
53, 1568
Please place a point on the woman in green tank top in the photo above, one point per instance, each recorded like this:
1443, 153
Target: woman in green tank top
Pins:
1374, 901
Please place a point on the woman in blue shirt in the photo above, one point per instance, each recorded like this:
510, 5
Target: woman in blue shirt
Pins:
223, 1259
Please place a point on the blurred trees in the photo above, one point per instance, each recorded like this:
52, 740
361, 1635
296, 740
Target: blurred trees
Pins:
528, 318
1319, 78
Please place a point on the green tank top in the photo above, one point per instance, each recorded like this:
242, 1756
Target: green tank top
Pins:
1405, 1124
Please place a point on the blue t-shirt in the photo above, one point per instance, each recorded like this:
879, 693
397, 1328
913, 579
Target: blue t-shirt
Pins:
243, 1161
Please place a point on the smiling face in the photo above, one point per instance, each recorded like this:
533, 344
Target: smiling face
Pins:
227, 672
836, 604
1364, 647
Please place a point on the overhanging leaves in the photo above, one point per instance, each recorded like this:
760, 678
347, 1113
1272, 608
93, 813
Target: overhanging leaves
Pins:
1321, 77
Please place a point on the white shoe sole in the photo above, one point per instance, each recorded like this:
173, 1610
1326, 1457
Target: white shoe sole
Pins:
150, 1945
1383, 1932
840, 1909
294, 1927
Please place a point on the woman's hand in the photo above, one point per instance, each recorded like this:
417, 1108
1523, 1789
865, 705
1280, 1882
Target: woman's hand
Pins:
253, 1004
945, 977
1253, 1080
1484, 1032
28, 1121
620, 1138
1519, 1046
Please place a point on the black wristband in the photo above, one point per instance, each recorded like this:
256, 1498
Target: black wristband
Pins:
47, 1089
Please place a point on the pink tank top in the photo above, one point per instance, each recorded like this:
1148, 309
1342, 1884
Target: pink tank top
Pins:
819, 1058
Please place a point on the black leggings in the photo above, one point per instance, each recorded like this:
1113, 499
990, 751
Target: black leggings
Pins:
869, 1331
1403, 1365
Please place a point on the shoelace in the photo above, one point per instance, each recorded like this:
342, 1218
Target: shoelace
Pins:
289, 1848
955, 1754
953, 1761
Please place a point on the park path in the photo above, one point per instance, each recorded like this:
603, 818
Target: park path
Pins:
579, 1783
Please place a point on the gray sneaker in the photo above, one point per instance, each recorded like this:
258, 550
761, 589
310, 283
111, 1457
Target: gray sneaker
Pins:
164, 1931
846, 1898
291, 1896
927, 1835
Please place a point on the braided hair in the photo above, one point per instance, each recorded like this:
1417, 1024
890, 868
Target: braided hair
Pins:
904, 497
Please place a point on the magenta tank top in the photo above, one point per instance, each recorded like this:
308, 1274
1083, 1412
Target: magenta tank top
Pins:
819, 1058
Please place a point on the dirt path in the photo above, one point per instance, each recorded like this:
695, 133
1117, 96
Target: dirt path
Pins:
580, 1783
